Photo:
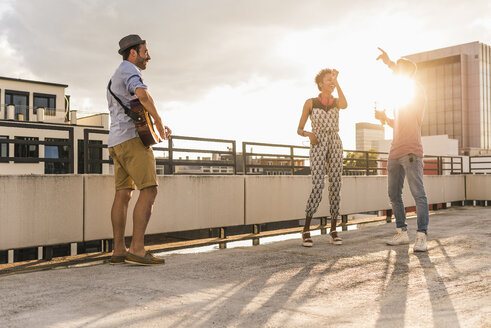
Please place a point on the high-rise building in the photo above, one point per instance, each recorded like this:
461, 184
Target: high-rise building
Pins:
367, 134
457, 81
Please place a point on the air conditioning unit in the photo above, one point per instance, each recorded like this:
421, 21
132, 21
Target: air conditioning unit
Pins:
40, 114
73, 117
10, 112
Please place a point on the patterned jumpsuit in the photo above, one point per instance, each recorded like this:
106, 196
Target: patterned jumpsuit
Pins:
329, 149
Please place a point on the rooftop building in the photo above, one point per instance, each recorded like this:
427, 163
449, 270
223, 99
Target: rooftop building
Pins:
457, 81
39, 134
367, 134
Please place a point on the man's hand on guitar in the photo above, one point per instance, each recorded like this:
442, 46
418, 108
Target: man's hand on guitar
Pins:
168, 132
164, 131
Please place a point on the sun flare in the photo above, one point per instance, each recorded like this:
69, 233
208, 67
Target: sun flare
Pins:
398, 91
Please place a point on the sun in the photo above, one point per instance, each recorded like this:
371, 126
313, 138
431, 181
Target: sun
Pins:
398, 91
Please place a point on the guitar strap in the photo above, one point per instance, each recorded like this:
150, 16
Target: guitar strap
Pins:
134, 116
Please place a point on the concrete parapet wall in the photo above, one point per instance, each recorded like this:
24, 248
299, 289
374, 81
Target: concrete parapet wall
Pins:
40, 210
56, 209
443, 188
198, 202
183, 203
279, 198
478, 187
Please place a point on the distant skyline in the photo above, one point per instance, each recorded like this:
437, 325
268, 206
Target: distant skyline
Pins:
232, 69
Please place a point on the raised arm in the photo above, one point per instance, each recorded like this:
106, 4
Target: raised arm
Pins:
385, 58
342, 103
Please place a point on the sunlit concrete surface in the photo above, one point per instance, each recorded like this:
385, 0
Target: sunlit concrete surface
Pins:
363, 283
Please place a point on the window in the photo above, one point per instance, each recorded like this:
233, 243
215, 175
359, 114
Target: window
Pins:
448, 92
441, 116
45, 101
457, 116
26, 150
160, 169
449, 129
448, 117
424, 130
432, 129
21, 102
456, 104
441, 129
58, 151
4, 148
94, 154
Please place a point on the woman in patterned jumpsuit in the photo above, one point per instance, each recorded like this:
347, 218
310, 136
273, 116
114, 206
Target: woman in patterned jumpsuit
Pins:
326, 147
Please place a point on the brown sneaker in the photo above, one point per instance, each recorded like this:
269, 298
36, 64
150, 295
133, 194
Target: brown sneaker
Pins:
156, 259
148, 259
117, 259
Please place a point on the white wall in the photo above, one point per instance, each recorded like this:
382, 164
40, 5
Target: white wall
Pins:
97, 120
183, 203
478, 187
40, 210
48, 210
270, 198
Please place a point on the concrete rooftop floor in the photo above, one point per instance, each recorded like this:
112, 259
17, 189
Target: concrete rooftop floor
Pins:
363, 283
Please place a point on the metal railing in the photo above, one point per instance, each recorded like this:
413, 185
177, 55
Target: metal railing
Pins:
256, 158
359, 162
23, 113
91, 164
218, 158
31, 141
355, 162
480, 164
281, 163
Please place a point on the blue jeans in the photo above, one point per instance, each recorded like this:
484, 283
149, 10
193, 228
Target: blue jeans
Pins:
412, 167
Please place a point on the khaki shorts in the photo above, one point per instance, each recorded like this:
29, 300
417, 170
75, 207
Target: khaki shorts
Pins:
134, 164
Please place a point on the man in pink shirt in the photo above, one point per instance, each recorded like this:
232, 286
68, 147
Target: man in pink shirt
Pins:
406, 154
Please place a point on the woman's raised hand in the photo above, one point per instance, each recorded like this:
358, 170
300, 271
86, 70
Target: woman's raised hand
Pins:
335, 74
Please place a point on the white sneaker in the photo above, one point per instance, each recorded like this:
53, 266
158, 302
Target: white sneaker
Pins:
400, 238
420, 243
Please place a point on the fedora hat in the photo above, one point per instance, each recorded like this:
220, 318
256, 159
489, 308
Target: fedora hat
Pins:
128, 42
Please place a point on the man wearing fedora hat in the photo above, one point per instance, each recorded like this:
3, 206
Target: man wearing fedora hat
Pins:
134, 164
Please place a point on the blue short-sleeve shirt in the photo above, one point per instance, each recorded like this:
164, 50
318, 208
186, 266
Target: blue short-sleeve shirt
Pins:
125, 81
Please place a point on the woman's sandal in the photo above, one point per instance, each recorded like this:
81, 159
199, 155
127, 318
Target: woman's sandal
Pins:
335, 239
306, 239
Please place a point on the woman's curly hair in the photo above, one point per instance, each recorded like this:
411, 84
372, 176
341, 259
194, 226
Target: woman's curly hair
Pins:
320, 76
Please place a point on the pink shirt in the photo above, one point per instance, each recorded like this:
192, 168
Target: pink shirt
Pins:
407, 126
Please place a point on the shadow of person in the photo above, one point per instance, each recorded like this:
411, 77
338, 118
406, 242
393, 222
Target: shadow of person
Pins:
444, 314
394, 292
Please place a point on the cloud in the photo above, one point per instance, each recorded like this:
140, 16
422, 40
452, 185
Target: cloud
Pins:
203, 50
195, 45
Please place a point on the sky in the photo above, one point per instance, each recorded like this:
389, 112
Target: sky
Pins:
232, 69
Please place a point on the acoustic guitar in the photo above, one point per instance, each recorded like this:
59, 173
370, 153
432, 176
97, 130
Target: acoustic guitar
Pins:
146, 130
